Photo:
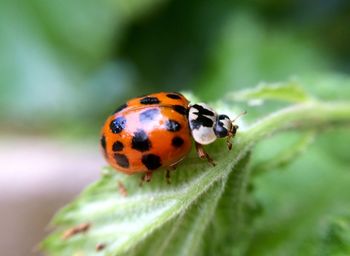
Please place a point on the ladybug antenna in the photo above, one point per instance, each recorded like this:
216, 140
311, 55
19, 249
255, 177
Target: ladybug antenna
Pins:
239, 115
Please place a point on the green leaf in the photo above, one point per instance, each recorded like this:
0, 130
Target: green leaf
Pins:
228, 224
174, 238
298, 202
159, 219
289, 92
121, 223
287, 155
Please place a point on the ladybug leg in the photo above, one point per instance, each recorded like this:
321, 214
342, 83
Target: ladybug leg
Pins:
167, 176
146, 177
122, 189
228, 141
167, 173
202, 154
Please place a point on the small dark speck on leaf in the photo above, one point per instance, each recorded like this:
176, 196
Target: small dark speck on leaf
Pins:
81, 228
100, 247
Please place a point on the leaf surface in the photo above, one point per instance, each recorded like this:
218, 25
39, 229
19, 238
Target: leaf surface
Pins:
203, 209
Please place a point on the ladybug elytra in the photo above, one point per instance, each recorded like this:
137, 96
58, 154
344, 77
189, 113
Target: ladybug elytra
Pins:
156, 130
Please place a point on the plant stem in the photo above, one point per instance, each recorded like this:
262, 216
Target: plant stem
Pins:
312, 115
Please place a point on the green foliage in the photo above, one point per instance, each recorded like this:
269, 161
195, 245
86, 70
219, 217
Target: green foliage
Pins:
68, 60
335, 236
228, 209
56, 61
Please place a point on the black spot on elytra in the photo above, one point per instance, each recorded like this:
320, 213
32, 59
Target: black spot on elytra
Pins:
172, 125
149, 100
173, 96
180, 109
201, 121
202, 110
120, 108
103, 142
177, 142
121, 160
149, 115
140, 141
118, 124
151, 161
117, 146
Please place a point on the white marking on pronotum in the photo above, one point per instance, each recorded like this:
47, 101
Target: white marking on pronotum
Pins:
202, 119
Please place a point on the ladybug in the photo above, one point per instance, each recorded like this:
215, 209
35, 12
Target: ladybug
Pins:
156, 130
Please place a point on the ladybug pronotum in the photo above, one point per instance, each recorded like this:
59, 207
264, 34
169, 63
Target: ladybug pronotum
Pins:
156, 130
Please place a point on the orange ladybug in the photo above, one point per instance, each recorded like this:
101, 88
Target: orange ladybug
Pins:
156, 130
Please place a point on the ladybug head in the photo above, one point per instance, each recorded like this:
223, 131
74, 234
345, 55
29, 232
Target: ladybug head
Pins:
225, 127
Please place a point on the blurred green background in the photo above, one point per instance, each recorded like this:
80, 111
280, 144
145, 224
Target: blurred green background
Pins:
65, 65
